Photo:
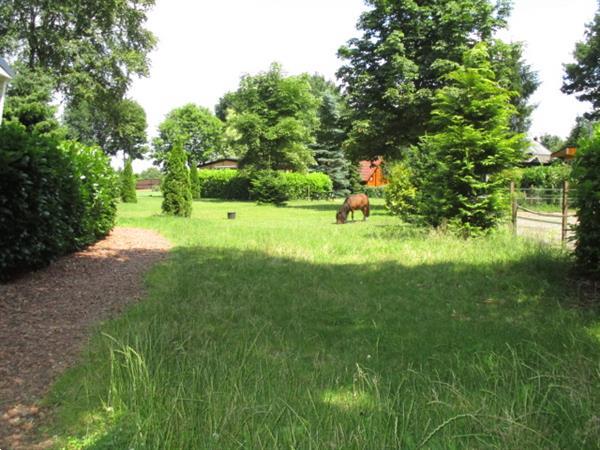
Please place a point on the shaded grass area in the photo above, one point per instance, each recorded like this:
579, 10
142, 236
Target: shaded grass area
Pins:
281, 330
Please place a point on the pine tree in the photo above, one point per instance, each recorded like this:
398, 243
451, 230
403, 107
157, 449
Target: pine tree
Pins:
128, 194
177, 194
328, 151
459, 165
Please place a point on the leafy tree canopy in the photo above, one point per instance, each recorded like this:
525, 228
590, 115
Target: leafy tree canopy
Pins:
194, 127
114, 127
271, 119
552, 142
582, 77
393, 71
90, 48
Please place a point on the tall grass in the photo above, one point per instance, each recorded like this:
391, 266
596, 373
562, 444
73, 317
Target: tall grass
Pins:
280, 330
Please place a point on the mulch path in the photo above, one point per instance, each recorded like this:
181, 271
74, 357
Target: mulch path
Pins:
46, 318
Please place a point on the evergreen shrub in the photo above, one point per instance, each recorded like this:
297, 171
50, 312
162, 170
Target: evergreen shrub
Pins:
54, 198
176, 187
128, 194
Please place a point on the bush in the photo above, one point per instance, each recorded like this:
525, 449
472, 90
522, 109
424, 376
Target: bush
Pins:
177, 193
97, 189
586, 173
53, 199
375, 191
128, 194
545, 177
268, 186
400, 193
238, 185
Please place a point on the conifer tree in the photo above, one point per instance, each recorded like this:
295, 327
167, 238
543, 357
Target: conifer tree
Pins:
328, 150
128, 194
459, 166
177, 194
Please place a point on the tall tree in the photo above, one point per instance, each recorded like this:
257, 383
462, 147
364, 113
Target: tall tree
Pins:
473, 143
115, 127
552, 142
90, 48
195, 128
582, 77
272, 118
394, 70
128, 194
330, 135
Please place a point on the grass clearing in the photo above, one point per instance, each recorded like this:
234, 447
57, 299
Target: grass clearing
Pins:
280, 330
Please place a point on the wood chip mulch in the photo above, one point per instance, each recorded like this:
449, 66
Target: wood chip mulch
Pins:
46, 318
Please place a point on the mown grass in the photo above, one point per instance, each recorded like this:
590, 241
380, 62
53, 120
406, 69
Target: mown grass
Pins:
280, 330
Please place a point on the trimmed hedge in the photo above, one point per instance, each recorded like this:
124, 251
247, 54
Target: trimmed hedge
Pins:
244, 185
545, 177
54, 198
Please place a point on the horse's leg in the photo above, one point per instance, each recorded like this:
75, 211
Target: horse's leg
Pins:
352, 213
365, 211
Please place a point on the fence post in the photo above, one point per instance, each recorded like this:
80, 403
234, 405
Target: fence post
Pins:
565, 212
513, 204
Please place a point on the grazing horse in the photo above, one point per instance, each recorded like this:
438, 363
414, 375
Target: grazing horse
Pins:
352, 203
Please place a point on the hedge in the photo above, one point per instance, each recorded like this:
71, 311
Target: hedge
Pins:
242, 185
54, 198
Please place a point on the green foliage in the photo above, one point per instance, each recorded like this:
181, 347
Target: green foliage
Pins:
28, 102
98, 189
196, 128
583, 76
583, 129
176, 188
330, 135
586, 173
394, 70
128, 194
241, 185
89, 48
226, 184
271, 119
54, 199
114, 126
400, 193
552, 142
459, 174
267, 186
151, 173
545, 177
194, 181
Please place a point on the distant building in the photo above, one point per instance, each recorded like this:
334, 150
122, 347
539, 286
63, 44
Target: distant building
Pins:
536, 154
6, 74
218, 164
371, 172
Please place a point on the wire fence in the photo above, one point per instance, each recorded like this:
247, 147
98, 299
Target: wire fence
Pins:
544, 212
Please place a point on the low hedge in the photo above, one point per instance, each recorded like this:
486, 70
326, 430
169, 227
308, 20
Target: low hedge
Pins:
244, 185
54, 198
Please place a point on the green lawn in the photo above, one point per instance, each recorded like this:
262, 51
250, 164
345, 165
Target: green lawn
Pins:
281, 330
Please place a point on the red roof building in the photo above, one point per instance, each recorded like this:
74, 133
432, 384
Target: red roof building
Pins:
371, 172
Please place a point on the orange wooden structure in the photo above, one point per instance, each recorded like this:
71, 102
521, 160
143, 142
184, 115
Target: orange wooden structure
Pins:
371, 172
567, 153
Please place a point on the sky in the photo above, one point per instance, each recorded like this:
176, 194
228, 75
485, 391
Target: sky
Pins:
204, 47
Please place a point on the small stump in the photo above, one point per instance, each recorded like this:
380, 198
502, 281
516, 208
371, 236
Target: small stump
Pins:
231, 215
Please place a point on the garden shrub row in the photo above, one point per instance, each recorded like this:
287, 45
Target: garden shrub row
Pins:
54, 198
263, 185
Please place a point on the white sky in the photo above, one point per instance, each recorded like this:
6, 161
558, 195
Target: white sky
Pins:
205, 46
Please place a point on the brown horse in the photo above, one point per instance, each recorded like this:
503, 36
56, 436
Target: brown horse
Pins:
352, 203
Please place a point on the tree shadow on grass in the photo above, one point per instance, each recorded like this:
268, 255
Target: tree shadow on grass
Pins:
236, 329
